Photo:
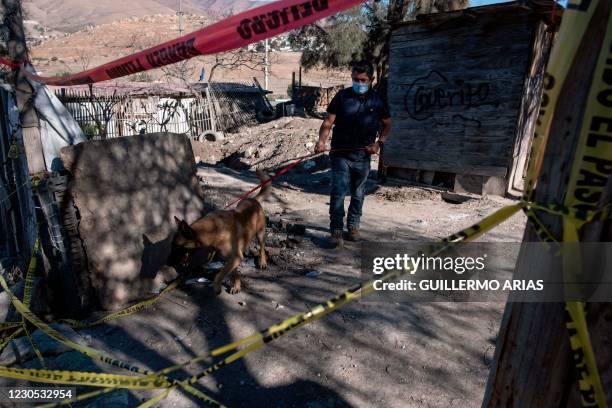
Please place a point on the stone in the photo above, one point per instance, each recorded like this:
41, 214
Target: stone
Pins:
38, 303
273, 251
465, 183
308, 165
313, 274
127, 191
20, 350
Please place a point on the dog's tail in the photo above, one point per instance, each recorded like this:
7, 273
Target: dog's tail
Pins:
266, 188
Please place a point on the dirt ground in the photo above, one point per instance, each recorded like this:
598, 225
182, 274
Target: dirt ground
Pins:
367, 354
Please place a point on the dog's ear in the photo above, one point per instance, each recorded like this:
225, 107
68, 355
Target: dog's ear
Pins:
177, 221
186, 230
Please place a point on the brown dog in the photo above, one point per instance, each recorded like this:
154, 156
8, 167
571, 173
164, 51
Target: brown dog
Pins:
228, 232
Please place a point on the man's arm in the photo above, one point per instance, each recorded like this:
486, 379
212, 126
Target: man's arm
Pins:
384, 134
324, 132
374, 148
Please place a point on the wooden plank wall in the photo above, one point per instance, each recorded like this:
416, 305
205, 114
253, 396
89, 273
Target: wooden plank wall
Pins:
530, 107
455, 88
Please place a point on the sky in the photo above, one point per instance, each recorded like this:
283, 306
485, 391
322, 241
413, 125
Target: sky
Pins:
475, 3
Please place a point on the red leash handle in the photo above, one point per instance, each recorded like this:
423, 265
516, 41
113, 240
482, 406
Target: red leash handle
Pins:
280, 173
284, 170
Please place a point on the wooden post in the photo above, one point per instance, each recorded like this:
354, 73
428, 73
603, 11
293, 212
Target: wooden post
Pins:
293, 85
533, 363
17, 51
56, 266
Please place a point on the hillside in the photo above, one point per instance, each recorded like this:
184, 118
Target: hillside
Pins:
72, 15
96, 45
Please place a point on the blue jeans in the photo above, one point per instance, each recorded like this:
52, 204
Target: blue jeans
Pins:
347, 175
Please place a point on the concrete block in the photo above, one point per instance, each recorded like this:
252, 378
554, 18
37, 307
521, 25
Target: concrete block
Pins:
127, 191
494, 185
468, 184
427, 177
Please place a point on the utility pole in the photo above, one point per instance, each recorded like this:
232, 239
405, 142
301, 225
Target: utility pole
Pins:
266, 64
180, 16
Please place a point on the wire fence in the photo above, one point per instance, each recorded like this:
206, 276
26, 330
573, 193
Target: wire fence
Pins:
224, 107
110, 116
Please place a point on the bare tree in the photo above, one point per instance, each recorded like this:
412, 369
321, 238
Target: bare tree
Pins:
241, 57
101, 109
181, 72
83, 58
166, 110
135, 42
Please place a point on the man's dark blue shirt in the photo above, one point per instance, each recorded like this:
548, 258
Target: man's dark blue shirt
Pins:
358, 120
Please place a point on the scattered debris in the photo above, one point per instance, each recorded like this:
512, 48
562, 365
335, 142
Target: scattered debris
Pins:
273, 251
159, 289
198, 280
313, 274
214, 266
407, 193
21, 351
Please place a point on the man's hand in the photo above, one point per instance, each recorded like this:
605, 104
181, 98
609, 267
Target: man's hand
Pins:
320, 146
374, 148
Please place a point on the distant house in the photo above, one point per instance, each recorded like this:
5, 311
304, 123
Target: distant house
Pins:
464, 92
128, 108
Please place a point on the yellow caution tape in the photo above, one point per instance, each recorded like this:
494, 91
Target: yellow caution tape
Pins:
91, 352
10, 338
591, 170
88, 351
27, 288
573, 26
34, 347
85, 378
273, 332
9, 325
579, 214
76, 324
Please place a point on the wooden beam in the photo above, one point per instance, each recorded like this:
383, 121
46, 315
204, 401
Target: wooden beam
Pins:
533, 363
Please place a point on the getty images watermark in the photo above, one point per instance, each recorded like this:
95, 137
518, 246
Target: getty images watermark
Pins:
483, 272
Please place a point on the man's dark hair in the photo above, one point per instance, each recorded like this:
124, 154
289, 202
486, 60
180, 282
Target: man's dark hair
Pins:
362, 66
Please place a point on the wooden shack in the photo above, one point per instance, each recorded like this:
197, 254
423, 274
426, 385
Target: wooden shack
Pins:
464, 93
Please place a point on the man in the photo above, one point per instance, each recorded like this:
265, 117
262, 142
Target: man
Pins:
358, 115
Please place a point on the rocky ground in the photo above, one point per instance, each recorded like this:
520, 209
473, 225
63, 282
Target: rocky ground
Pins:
367, 354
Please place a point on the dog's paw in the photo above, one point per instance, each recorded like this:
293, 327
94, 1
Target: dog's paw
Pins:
263, 263
234, 290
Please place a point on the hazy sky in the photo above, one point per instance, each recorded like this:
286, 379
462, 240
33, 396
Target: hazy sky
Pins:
475, 3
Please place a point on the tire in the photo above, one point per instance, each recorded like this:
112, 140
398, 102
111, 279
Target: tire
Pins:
265, 116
